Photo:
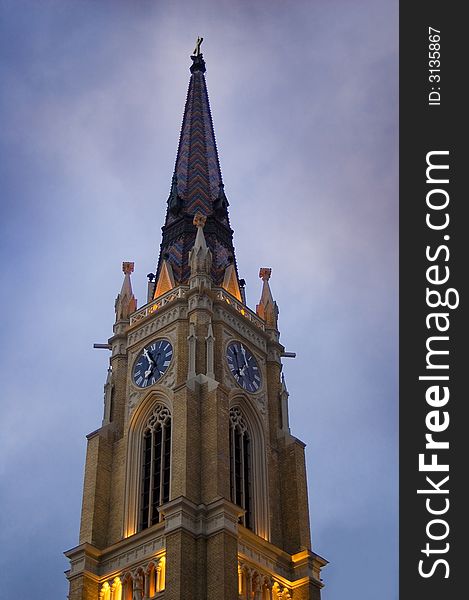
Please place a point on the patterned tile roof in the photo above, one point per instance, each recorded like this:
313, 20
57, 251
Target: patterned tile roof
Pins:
197, 186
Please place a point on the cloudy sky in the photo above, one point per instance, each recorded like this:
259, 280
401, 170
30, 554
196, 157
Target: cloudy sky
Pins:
304, 102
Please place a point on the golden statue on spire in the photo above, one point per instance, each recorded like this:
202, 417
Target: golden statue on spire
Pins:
197, 51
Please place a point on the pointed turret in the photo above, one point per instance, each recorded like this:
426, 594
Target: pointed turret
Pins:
231, 284
197, 187
108, 393
200, 257
267, 307
126, 302
165, 280
284, 421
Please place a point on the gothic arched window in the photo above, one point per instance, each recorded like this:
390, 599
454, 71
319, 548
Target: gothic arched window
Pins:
155, 465
241, 465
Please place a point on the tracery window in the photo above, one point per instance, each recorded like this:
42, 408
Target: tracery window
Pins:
155, 465
241, 465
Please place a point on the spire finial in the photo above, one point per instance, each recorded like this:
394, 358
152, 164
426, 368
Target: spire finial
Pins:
199, 41
198, 63
128, 267
199, 219
265, 273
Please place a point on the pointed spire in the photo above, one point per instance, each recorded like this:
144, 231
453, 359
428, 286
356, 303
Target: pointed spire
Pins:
197, 169
221, 203
210, 346
108, 397
200, 257
165, 280
197, 186
267, 307
192, 342
126, 302
174, 200
284, 395
230, 282
283, 388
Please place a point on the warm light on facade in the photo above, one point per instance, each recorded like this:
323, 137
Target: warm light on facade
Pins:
116, 589
150, 580
161, 574
262, 584
128, 532
299, 556
240, 580
105, 593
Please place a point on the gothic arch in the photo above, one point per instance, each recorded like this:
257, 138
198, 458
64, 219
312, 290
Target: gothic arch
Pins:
254, 583
260, 496
279, 593
111, 590
156, 575
153, 406
142, 582
105, 592
127, 586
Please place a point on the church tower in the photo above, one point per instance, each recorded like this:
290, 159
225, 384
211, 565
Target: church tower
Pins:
195, 488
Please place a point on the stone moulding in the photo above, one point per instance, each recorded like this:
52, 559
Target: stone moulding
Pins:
149, 309
221, 297
177, 311
130, 552
289, 571
206, 520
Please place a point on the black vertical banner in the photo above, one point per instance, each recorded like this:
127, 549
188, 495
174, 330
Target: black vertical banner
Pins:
434, 252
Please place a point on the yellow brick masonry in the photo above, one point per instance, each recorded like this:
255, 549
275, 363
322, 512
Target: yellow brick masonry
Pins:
199, 566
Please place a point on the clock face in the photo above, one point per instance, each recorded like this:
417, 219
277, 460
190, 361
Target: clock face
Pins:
243, 367
152, 362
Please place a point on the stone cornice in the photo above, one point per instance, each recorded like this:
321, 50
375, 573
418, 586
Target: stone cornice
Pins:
127, 553
293, 570
202, 519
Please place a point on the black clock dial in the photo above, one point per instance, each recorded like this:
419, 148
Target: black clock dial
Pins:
243, 367
152, 362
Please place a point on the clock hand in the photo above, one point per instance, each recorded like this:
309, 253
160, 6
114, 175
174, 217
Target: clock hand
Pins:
237, 370
244, 356
151, 363
148, 356
156, 365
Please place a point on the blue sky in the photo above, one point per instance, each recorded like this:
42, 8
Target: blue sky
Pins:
304, 103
